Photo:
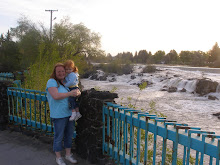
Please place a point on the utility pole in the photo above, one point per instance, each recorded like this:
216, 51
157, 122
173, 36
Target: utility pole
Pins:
51, 13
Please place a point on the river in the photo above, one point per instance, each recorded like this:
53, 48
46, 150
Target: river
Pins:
184, 107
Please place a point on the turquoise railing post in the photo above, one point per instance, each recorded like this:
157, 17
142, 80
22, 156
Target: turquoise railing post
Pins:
203, 150
132, 134
35, 110
155, 137
175, 142
211, 158
125, 138
108, 130
122, 128
25, 103
148, 117
17, 106
40, 111
166, 123
204, 135
139, 137
198, 132
20, 110
175, 147
103, 129
218, 152
45, 113
30, 108
213, 137
112, 135
9, 106
131, 137
118, 135
184, 150
13, 107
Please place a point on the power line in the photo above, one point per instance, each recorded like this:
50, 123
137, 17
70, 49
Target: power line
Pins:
51, 16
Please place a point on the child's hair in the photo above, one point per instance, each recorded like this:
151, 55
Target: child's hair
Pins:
70, 63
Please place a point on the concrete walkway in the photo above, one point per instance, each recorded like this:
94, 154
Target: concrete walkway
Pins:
19, 149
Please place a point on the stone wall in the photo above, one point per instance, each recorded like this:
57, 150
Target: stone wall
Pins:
89, 127
4, 103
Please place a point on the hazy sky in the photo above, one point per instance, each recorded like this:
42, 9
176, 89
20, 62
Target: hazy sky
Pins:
129, 25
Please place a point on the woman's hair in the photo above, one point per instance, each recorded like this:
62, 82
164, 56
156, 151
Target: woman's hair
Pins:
70, 64
53, 75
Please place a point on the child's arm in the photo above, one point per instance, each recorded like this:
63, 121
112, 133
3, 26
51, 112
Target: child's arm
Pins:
72, 80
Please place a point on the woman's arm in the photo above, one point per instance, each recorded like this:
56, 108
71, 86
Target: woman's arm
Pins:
58, 96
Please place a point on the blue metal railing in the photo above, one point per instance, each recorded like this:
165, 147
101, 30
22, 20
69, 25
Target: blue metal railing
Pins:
10, 77
7, 76
136, 137
30, 109
129, 136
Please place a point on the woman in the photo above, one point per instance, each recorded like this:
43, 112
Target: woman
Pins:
57, 95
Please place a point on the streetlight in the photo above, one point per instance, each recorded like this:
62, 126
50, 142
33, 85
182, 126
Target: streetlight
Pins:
51, 20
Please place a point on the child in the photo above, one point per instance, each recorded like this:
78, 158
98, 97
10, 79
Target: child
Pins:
71, 81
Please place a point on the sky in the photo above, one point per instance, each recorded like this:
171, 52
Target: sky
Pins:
128, 25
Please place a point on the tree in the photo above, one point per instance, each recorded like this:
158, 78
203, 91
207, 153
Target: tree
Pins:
124, 58
143, 56
158, 57
186, 57
28, 38
172, 57
72, 40
199, 58
75, 42
214, 53
9, 54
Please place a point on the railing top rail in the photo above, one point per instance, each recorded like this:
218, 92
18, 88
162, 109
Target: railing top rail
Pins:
14, 89
27, 93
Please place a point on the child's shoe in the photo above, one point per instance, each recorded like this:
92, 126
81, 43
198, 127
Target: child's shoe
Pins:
73, 116
78, 115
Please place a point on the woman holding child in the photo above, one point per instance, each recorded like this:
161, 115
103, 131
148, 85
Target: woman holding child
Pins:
60, 113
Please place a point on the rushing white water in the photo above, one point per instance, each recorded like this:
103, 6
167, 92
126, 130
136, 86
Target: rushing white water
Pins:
184, 107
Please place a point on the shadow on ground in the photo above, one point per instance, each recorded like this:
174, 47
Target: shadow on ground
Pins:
19, 149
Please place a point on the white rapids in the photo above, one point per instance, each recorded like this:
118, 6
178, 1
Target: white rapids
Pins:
184, 107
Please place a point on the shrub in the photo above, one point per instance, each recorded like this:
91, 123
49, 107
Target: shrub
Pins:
116, 68
149, 69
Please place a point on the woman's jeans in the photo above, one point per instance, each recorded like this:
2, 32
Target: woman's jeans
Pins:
63, 130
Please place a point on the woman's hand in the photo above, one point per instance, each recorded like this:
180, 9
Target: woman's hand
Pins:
79, 93
75, 92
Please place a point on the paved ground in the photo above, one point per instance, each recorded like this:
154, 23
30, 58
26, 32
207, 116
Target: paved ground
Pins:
19, 149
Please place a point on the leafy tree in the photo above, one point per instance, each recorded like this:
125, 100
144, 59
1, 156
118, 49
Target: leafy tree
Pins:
28, 38
172, 57
199, 58
75, 42
135, 59
109, 58
158, 57
143, 56
72, 40
124, 58
9, 54
185, 57
214, 53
